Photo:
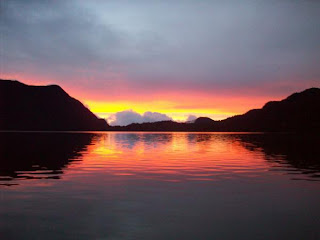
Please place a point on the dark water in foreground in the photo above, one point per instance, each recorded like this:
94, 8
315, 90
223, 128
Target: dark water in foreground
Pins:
159, 186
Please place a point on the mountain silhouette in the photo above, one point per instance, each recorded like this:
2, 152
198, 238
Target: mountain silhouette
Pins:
298, 112
24, 107
168, 126
204, 121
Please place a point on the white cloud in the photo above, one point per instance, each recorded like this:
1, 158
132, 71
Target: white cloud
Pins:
191, 118
127, 117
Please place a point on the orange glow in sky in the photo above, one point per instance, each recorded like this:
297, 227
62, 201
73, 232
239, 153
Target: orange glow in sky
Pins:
176, 104
106, 109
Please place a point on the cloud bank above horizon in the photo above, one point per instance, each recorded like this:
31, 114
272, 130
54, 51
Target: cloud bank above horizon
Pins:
127, 117
197, 57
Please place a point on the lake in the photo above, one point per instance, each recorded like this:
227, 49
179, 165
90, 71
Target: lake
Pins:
126, 185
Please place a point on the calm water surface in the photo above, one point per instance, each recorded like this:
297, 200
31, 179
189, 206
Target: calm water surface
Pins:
159, 186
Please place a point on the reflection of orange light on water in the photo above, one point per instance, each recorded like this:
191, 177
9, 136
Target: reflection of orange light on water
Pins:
194, 155
121, 156
101, 150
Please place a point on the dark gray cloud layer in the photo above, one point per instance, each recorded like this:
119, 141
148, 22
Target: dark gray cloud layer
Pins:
147, 45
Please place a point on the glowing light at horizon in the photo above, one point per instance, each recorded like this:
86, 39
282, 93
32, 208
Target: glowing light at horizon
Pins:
106, 110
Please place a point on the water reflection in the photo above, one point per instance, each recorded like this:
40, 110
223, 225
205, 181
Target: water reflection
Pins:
39, 155
158, 186
298, 151
162, 156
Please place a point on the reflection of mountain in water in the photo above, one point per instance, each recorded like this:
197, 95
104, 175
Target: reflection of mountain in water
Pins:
46, 155
39, 155
299, 151
290, 153
131, 140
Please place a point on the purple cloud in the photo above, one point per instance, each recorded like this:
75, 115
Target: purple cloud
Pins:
191, 118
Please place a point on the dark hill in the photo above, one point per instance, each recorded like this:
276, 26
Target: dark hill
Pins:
202, 124
24, 107
204, 121
163, 126
298, 112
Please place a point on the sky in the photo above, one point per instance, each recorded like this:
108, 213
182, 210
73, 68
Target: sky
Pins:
145, 60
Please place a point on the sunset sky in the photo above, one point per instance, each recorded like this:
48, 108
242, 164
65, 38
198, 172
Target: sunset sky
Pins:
183, 59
